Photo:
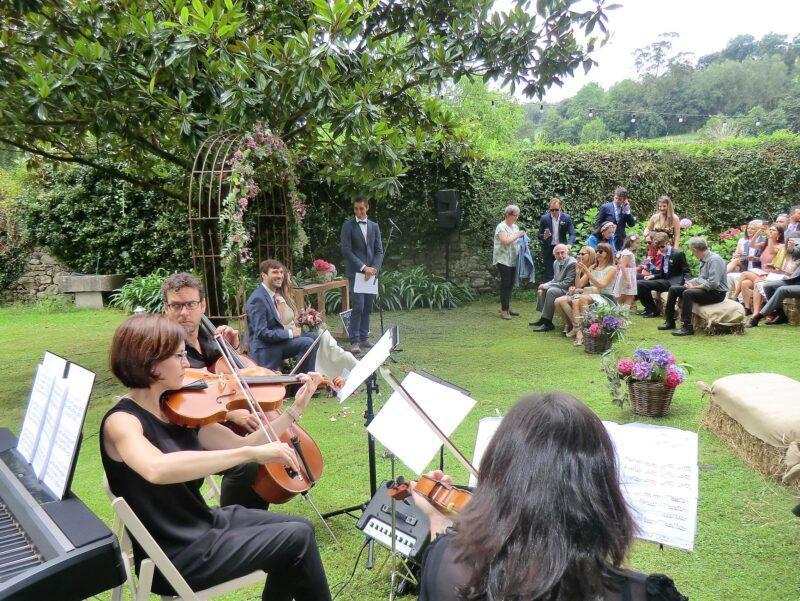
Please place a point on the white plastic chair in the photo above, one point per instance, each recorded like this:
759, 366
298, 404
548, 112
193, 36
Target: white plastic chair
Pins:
126, 524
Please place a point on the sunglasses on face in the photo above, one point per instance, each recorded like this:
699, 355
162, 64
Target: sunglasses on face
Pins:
554, 210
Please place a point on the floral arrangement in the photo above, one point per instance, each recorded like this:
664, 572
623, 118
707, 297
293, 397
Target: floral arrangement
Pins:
262, 161
655, 364
605, 320
685, 222
310, 318
323, 266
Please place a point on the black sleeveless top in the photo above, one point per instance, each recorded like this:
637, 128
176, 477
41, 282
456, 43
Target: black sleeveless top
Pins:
174, 514
441, 575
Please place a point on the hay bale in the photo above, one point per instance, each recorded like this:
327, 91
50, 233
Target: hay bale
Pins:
701, 325
757, 454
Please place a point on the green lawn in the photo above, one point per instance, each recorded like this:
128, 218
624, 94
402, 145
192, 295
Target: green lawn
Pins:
746, 546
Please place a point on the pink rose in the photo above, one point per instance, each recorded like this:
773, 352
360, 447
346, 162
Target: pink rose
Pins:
625, 367
736, 231
243, 202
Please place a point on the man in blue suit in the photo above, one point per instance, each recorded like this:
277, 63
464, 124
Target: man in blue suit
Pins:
362, 250
270, 341
618, 211
555, 227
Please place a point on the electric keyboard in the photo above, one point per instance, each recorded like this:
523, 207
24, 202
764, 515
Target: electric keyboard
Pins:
49, 548
412, 527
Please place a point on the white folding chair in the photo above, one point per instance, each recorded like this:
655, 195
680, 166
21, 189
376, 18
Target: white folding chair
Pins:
126, 524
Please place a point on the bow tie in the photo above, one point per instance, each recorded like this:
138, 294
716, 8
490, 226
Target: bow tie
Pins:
362, 223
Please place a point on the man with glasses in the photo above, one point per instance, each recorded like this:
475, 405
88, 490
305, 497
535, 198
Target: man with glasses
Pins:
184, 304
672, 270
555, 228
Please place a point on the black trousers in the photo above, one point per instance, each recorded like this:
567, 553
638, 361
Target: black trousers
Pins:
645, 289
689, 297
506, 284
244, 540
237, 487
547, 257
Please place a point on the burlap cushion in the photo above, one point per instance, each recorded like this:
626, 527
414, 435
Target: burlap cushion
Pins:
765, 405
726, 313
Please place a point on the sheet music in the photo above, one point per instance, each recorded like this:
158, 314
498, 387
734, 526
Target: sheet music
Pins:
659, 478
37, 407
56, 364
368, 364
362, 285
49, 427
487, 426
65, 444
398, 427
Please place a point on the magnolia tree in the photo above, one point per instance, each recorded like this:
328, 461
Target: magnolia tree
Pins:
352, 86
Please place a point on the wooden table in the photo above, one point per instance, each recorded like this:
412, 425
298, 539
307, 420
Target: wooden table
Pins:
302, 292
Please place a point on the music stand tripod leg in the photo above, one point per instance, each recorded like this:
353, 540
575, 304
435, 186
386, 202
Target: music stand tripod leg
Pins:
307, 497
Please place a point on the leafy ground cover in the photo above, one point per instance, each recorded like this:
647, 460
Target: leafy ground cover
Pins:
747, 538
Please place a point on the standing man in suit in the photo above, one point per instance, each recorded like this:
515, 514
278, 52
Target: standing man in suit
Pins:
555, 227
270, 340
362, 250
563, 279
672, 271
618, 211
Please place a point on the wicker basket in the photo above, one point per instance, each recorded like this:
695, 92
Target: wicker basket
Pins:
595, 346
791, 306
650, 398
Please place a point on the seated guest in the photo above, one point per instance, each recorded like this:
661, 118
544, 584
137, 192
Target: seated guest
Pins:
674, 269
555, 227
786, 262
625, 280
270, 340
158, 467
563, 305
566, 538
748, 249
793, 226
748, 279
597, 284
605, 233
782, 220
665, 220
709, 287
653, 260
563, 278
778, 291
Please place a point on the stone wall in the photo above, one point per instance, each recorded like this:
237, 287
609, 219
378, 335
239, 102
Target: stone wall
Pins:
470, 262
39, 279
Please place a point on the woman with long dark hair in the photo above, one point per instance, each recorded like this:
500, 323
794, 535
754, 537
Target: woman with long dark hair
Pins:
547, 522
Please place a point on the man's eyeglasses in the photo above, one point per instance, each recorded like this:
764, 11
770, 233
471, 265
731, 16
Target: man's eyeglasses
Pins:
554, 210
178, 307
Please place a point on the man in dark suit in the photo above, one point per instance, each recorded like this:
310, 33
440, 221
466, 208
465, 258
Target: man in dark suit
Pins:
270, 341
618, 211
673, 271
362, 250
555, 227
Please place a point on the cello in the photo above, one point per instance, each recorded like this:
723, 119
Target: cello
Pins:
207, 397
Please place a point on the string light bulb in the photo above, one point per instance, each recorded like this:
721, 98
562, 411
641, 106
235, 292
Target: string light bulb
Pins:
633, 118
591, 113
724, 124
541, 108
680, 119
758, 122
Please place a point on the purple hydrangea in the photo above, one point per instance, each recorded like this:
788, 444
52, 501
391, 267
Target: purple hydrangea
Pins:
660, 356
642, 370
611, 323
641, 354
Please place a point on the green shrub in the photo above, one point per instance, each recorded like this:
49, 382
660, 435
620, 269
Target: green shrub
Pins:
94, 223
14, 247
141, 291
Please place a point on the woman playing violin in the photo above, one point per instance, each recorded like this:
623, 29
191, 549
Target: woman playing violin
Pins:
547, 521
158, 468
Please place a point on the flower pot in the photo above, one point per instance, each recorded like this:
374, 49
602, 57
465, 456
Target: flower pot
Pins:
596, 346
650, 398
325, 276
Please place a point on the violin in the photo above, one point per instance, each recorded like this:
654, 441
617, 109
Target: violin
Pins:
207, 397
445, 497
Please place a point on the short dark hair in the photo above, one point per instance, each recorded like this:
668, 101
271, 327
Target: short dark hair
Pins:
268, 264
361, 200
180, 280
139, 343
621, 192
548, 511
659, 238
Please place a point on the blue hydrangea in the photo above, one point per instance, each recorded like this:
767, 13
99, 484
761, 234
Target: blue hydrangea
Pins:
660, 356
641, 354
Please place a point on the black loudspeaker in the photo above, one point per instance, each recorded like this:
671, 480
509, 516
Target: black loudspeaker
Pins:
448, 209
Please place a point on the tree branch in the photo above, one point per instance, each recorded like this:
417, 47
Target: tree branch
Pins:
142, 183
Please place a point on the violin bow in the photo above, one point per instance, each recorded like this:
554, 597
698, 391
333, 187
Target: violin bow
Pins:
398, 387
306, 354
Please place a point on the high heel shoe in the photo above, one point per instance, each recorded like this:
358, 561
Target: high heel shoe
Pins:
572, 333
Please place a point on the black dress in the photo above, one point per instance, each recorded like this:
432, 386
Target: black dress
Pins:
208, 545
441, 576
